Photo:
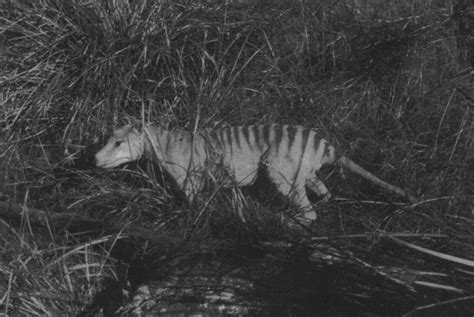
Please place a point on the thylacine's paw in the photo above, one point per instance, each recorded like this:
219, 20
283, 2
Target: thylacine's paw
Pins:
326, 198
302, 222
310, 216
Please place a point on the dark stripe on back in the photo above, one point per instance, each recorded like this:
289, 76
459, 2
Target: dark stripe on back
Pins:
228, 137
266, 135
220, 137
291, 136
304, 137
236, 133
256, 136
223, 138
245, 132
326, 149
212, 138
278, 135
317, 140
164, 147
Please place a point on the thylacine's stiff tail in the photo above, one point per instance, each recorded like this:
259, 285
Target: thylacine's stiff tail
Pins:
350, 165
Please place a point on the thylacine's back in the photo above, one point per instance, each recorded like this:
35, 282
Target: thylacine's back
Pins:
289, 155
281, 147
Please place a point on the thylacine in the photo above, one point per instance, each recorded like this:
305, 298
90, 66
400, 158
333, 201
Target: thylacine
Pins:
289, 155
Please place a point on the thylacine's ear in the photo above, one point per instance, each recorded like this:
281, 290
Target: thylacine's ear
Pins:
136, 124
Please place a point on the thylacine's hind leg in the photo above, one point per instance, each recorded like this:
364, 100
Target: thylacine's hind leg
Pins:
299, 198
317, 186
296, 192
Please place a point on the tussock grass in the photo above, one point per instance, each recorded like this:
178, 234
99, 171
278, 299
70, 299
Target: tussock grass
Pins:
382, 81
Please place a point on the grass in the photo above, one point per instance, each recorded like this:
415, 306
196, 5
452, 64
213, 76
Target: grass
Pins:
383, 82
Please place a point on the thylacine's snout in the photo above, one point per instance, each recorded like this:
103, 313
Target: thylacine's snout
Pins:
96, 161
118, 151
103, 158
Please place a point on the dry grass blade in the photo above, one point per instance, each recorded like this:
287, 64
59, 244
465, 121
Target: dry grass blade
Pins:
435, 305
379, 234
439, 286
437, 254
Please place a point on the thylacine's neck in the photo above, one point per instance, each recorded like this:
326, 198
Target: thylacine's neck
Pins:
158, 142
155, 142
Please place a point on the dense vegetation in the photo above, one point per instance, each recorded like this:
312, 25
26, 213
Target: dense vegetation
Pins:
387, 81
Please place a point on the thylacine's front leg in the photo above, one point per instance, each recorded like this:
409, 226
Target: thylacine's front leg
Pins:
190, 182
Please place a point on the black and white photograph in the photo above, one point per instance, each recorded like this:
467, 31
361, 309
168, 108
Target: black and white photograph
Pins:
237, 158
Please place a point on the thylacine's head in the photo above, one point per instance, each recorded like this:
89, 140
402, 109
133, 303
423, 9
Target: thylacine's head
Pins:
125, 145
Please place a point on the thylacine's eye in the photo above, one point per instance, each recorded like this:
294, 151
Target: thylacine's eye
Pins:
117, 143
